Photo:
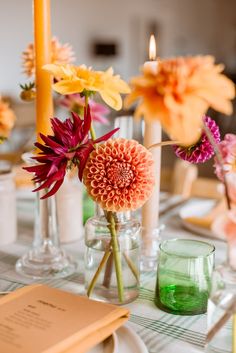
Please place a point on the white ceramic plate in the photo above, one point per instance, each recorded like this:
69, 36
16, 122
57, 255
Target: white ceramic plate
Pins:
129, 341
124, 340
197, 208
107, 346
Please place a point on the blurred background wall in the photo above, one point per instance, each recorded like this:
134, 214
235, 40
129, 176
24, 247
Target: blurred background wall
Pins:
182, 27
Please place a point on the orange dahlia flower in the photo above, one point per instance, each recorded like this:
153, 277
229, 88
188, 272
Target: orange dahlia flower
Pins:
119, 175
7, 119
180, 92
61, 54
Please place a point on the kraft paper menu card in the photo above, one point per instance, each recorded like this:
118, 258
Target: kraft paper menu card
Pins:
40, 319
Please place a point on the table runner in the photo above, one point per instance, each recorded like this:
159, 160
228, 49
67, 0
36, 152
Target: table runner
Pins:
161, 332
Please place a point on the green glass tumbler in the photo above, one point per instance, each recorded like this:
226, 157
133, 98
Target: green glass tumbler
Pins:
184, 276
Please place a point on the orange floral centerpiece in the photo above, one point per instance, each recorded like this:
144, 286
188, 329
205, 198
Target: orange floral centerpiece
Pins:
61, 54
118, 174
7, 119
179, 93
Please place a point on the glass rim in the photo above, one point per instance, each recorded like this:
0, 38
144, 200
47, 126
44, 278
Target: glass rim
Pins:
189, 256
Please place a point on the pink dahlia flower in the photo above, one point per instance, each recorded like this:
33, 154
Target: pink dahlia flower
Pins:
227, 148
119, 175
203, 150
75, 103
69, 146
231, 185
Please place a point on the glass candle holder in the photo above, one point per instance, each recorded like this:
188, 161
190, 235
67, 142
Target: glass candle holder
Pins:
184, 276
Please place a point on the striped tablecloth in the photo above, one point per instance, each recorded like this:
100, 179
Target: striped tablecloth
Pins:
160, 331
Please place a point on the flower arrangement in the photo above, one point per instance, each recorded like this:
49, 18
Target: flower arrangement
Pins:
80, 79
75, 103
7, 119
118, 174
202, 150
69, 147
227, 149
61, 54
225, 169
179, 93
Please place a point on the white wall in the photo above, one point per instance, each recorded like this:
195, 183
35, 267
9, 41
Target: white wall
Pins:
185, 27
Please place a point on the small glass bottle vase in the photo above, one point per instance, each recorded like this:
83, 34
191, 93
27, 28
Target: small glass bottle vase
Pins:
112, 257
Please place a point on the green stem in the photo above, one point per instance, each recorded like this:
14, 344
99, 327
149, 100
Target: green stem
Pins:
132, 267
108, 272
92, 131
116, 254
86, 100
99, 270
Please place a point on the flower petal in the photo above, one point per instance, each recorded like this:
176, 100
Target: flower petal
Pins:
68, 86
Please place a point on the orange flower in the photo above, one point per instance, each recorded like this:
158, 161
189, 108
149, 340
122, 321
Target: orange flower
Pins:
61, 54
119, 175
180, 93
7, 119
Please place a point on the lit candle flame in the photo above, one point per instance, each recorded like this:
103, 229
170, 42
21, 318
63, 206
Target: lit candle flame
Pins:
152, 48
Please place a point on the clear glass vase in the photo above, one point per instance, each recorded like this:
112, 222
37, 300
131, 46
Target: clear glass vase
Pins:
221, 313
46, 259
112, 257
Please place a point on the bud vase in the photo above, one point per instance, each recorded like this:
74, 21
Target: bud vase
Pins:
112, 257
46, 259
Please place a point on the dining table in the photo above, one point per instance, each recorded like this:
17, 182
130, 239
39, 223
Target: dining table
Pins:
160, 331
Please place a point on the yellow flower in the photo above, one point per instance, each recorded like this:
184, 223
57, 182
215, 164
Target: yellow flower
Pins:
7, 119
180, 93
76, 79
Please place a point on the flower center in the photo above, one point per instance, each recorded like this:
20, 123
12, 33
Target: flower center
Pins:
120, 174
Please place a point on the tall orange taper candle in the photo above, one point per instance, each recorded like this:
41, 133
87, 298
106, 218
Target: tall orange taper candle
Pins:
152, 135
42, 41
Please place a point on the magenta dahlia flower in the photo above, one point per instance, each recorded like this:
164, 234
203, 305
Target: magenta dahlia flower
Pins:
203, 150
69, 146
76, 103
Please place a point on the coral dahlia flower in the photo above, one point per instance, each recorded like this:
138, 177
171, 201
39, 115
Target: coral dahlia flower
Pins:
61, 54
119, 175
180, 93
203, 150
7, 119
69, 146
